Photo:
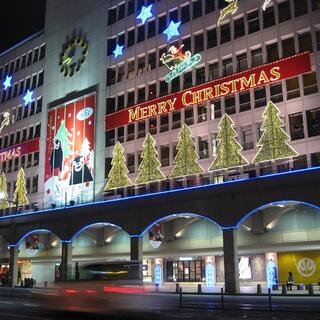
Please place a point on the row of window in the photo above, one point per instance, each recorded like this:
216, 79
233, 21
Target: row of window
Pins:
250, 23
31, 186
20, 136
246, 138
21, 87
23, 61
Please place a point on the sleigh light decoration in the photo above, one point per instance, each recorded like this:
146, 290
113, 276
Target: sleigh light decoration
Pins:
178, 61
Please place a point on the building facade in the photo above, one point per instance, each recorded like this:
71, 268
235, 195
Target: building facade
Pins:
190, 129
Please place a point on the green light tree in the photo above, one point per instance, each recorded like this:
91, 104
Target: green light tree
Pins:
149, 167
186, 160
274, 140
20, 193
3, 192
118, 175
63, 135
228, 149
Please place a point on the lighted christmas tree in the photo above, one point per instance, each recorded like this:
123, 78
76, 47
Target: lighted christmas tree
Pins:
118, 175
63, 136
3, 192
186, 160
149, 167
20, 193
274, 140
228, 149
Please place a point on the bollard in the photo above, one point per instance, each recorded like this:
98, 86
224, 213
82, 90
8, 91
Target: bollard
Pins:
180, 297
259, 290
199, 288
269, 299
45, 284
177, 288
222, 300
284, 289
310, 289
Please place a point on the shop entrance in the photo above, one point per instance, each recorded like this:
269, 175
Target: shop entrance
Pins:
186, 271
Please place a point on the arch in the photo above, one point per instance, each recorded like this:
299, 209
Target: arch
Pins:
33, 231
178, 215
102, 224
255, 210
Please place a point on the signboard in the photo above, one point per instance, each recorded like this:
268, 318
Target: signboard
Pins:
69, 161
238, 82
19, 150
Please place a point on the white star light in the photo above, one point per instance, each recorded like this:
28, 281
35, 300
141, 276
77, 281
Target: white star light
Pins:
28, 97
118, 51
7, 82
145, 13
172, 30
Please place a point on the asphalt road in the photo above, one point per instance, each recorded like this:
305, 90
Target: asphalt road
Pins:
158, 306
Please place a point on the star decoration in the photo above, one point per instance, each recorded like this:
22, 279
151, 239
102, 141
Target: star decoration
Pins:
172, 30
28, 97
48, 191
7, 82
118, 51
145, 13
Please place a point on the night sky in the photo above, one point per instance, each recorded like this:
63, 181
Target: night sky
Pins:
19, 20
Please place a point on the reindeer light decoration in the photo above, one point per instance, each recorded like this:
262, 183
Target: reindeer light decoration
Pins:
230, 9
5, 121
264, 6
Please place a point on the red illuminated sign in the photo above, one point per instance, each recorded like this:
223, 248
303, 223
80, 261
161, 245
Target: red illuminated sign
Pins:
251, 78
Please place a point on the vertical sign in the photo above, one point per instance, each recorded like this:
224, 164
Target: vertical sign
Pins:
157, 274
209, 275
69, 162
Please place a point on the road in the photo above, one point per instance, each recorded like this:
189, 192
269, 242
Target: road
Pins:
158, 306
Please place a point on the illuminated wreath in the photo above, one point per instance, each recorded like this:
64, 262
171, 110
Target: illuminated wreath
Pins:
73, 56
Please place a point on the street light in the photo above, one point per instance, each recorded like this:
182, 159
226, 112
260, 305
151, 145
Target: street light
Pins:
3, 198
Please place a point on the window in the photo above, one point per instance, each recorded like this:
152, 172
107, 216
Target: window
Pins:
131, 38
245, 103
130, 8
272, 52
227, 67
120, 105
276, 92
313, 122
112, 16
239, 30
253, 21
213, 71
111, 46
141, 65
141, 95
198, 43
21, 87
35, 184
16, 164
121, 39
247, 137
164, 123
176, 119
28, 80
256, 57
288, 48
130, 135
203, 148
284, 11
175, 84
12, 139
110, 138
185, 14
130, 162
242, 62
162, 24
173, 15
151, 28
141, 33
121, 11
152, 92
202, 113
293, 90
260, 97
42, 51
141, 129
187, 43
215, 107
130, 99
310, 85
164, 152
24, 135
37, 131
300, 8
197, 9
153, 126
34, 82
296, 126
268, 17
111, 105
29, 161
209, 6
30, 133
151, 61
305, 42
36, 159
163, 88
200, 75
211, 38
17, 137
15, 90
230, 105
187, 80
35, 55
120, 73
17, 65
315, 160
188, 115
225, 33
130, 72
111, 76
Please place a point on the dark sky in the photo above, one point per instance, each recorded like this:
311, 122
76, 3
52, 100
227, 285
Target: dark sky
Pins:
19, 20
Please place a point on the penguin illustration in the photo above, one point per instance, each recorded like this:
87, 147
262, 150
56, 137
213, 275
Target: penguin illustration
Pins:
56, 158
79, 172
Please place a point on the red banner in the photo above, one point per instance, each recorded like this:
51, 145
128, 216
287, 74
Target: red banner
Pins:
19, 150
251, 78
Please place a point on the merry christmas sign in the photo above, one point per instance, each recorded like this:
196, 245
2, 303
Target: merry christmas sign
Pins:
69, 162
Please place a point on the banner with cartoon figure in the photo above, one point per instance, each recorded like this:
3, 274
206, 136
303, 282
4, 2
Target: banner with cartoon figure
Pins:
69, 162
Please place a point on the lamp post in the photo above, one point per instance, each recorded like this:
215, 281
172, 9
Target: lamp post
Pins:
3, 198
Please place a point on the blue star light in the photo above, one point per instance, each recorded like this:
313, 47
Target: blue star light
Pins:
145, 13
7, 82
28, 97
118, 51
172, 30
